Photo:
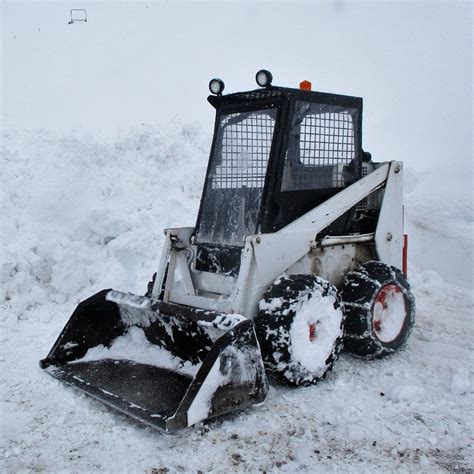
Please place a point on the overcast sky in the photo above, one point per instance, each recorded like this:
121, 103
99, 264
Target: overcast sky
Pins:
150, 62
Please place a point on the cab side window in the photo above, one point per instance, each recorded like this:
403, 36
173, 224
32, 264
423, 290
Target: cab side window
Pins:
321, 149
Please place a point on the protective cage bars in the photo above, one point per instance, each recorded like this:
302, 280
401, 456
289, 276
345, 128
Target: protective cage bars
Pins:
246, 143
323, 144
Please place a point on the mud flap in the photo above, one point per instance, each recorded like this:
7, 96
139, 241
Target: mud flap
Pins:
167, 365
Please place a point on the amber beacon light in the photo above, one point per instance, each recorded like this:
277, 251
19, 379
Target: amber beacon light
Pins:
305, 85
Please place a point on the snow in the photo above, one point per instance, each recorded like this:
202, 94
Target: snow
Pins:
320, 311
223, 322
201, 404
74, 225
461, 383
236, 365
407, 393
135, 346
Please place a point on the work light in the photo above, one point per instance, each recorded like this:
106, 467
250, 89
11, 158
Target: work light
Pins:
264, 78
216, 86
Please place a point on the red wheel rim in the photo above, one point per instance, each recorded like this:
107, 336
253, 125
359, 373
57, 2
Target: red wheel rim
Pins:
389, 312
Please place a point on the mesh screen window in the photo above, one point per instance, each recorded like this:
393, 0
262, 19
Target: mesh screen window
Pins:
244, 149
232, 198
321, 146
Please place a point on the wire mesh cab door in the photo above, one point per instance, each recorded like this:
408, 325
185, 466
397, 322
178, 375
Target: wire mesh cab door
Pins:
321, 155
235, 183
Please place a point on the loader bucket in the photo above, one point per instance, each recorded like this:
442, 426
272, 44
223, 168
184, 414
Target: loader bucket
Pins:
167, 365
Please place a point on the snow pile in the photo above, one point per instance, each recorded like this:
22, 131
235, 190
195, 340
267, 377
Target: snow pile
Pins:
439, 218
82, 213
135, 346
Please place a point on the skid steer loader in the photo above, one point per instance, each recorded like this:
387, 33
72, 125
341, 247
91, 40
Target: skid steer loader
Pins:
296, 251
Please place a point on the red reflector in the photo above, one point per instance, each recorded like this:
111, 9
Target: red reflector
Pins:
405, 255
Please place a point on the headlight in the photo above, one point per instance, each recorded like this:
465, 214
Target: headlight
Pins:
264, 78
216, 86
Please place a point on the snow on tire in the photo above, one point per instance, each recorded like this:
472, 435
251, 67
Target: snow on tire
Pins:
379, 310
300, 327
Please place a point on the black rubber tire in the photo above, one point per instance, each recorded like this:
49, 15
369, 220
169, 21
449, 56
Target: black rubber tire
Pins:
359, 294
278, 309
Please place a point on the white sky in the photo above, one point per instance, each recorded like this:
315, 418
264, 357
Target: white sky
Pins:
150, 62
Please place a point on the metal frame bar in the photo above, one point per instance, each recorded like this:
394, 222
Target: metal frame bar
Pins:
331, 241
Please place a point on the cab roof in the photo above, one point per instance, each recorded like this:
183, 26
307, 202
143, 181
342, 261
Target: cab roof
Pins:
279, 93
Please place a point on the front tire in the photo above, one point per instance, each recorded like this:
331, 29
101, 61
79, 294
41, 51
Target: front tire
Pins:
300, 327
379, 308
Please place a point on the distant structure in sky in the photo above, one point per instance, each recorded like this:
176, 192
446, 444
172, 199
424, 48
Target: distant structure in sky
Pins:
78, 14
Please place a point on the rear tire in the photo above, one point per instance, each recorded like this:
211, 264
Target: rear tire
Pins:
379, 309
300, 327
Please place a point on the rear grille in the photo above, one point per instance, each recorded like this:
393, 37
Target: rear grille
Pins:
362, 205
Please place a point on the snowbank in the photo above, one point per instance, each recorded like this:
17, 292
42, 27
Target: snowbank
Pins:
439, 218
82, 214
